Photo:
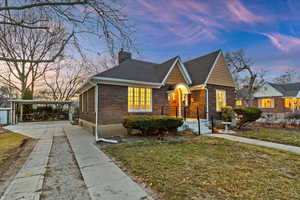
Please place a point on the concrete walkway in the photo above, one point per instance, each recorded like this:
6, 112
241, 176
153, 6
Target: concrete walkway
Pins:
284, 147
105, 181
28, 183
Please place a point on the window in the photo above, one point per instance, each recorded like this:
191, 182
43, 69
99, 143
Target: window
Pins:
220, 99
139, 99
238, 102
266, 103
292, 103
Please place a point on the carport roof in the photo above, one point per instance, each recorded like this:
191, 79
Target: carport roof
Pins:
24, 101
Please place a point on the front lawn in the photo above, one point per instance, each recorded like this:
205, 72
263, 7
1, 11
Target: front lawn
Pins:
211, 168
274, 135
8, 143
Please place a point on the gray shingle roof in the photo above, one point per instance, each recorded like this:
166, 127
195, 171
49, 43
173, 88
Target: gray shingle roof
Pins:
288, 90
137, 70
132, 69
200, 67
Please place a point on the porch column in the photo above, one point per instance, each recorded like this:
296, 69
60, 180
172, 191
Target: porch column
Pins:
11, 113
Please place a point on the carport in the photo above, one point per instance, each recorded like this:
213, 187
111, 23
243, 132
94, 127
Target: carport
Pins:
19, 103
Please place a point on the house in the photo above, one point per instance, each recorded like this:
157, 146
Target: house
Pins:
134, 87
242, 97
277, 100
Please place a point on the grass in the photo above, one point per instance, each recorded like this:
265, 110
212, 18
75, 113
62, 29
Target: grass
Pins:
274, 135
211, 168
9, 142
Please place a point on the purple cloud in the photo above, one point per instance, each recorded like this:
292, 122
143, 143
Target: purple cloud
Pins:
241, 13
284, 42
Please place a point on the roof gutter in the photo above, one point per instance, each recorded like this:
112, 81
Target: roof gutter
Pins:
117, 80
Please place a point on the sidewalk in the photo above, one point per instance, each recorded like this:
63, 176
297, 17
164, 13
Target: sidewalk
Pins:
273, 145
103, 178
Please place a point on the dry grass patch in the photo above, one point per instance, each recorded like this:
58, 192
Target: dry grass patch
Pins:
211, 168
9, 142
289, 137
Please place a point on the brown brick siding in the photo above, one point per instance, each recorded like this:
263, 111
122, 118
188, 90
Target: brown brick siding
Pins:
114, 106
87, 112
197, 99
278, 105
230, 98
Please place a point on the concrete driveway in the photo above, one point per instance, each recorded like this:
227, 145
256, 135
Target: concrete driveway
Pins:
37, 129
65, 164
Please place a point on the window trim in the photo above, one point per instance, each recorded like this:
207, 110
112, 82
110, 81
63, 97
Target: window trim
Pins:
225, 99
139, 96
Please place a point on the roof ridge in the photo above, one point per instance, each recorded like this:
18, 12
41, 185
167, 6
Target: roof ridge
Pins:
175, 57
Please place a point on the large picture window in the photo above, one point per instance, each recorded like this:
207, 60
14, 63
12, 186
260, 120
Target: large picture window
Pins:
220, 99
266, 103
139, 99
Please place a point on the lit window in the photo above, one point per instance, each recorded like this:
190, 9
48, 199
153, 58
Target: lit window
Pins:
139, 99
238, 102
266, 103
220, 99
292, 103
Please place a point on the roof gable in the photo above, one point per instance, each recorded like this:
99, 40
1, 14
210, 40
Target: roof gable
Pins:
267, 90
175, 76
220, 74
178, 70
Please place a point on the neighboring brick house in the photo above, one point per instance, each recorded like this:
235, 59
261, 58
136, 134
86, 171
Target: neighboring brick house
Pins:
170, 88
277, 100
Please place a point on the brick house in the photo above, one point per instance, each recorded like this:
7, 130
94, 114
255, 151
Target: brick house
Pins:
277, 100
170, 88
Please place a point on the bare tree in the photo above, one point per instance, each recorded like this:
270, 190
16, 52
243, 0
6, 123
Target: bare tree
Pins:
248, 78
100, 18
65, 78
286, 77
32, 47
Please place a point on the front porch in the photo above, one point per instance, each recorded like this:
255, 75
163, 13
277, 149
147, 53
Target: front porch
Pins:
191, 105
186, 103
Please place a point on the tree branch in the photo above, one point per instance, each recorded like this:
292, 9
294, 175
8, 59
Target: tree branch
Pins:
34, 5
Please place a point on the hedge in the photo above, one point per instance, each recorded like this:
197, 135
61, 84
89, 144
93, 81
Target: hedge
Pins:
247, 115
152, 124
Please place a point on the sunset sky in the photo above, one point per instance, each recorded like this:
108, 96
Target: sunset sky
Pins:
269, 30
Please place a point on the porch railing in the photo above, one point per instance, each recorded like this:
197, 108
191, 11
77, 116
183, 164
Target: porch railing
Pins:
190, 112
186, 112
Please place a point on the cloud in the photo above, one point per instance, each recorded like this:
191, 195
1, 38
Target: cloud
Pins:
191, 21
283, 42
241, 13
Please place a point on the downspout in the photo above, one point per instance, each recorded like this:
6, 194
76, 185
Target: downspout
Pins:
99, 139
206, 103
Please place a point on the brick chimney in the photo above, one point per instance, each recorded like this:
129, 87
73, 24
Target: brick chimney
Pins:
123, 55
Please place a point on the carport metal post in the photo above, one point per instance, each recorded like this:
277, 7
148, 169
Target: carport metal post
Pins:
21, 112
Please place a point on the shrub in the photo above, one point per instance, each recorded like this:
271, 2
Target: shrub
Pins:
226, 113
247, 115
152, 124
